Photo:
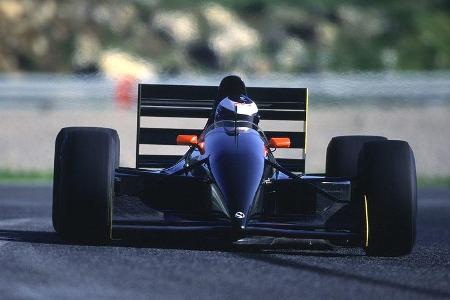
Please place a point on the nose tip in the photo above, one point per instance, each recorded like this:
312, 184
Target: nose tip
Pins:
239, 220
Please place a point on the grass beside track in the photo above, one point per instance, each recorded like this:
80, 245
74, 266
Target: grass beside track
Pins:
443, 181
32, 176
25, 176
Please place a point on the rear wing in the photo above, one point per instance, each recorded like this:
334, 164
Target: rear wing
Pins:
189, 101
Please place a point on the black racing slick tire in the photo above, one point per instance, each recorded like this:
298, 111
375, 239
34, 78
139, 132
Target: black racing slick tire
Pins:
343, 154
83, 182
389, 187
342, 161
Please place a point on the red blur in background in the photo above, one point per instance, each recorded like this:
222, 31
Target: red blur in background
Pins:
125, 92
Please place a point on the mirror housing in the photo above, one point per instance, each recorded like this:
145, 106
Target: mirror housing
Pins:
187, 139
280, 142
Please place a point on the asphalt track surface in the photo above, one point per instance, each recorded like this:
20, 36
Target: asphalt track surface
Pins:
36, 264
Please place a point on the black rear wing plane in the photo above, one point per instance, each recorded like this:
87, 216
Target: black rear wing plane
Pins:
191, 101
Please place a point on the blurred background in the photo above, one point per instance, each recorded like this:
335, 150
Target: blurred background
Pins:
379, 67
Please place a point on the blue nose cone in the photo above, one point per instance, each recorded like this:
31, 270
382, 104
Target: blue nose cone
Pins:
237, 165
239, 177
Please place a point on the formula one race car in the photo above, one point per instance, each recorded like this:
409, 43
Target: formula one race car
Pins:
229, 184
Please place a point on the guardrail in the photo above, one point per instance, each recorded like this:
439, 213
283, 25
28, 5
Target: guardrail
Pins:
59, 91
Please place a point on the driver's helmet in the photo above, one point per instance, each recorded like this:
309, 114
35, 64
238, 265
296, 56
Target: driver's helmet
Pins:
239, 108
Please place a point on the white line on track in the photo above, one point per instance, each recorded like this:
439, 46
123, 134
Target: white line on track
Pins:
13, 222
438, 202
